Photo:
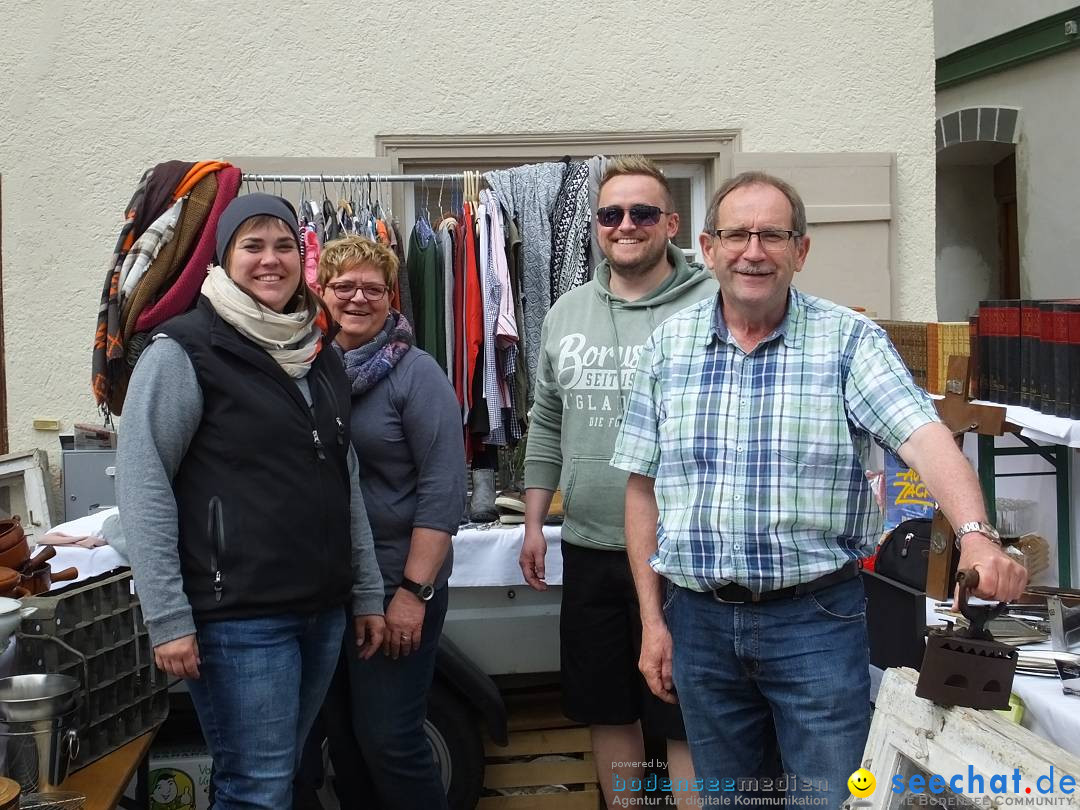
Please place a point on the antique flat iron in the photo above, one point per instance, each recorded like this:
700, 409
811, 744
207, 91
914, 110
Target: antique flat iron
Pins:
965, 666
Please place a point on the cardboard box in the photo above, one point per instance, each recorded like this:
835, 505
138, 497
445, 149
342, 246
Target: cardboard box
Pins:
179, 779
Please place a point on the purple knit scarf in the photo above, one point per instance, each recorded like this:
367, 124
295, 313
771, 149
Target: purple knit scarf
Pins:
366, 365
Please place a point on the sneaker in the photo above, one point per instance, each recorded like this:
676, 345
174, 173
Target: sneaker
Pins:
511, 499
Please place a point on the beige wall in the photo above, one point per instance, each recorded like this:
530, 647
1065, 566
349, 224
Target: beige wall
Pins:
1047, 171
95, 92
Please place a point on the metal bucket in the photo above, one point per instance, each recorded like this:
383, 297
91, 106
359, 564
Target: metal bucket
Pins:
36, 697
38, 722
37, 753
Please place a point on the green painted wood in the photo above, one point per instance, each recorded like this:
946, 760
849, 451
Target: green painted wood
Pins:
1064, 517
1057, 456
1033, 41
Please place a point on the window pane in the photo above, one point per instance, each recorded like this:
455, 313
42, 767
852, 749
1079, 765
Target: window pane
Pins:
426, 196
682, 192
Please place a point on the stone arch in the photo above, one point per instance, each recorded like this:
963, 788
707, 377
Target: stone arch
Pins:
973, 124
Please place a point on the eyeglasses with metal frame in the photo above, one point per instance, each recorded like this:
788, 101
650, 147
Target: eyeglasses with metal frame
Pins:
772, 241
345, 290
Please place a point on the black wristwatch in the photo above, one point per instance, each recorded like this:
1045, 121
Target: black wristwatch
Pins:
422, 590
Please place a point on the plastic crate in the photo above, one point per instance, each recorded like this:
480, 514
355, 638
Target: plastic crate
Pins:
94, 631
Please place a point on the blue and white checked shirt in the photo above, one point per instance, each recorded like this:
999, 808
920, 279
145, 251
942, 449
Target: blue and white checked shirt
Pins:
759, 458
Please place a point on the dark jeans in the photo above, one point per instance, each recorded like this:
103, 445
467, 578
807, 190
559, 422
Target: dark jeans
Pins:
373, 717
802, 663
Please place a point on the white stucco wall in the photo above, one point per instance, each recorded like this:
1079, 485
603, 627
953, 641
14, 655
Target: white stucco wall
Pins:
95, 92
960, 23
967, 246
1047, 171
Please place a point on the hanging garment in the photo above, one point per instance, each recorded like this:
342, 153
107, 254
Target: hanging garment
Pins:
196, 173
310, 213
472, 312
168, 263
330, 220
164, 189
519, 385
571, 221
425, 282
108, 370
182, 294
506, 325
529, 192
460, 372
311, 253
397, 245
489, 290
146, 248
500, 330
159, 190
447, 234
382, 232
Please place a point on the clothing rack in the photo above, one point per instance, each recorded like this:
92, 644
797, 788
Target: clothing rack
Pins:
470, 181
352, 178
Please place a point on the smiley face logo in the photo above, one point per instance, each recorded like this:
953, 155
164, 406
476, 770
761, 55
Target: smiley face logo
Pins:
861, 783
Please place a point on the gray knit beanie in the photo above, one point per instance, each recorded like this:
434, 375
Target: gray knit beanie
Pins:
252, 205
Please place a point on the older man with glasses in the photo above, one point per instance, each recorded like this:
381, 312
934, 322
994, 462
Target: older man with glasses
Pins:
745, 436
591, 340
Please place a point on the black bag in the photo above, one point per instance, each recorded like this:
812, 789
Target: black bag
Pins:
904, 555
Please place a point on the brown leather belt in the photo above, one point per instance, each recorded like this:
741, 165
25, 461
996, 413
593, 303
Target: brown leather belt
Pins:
733, 593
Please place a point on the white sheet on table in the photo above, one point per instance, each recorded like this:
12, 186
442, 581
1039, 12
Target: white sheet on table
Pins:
489, 557
483, 557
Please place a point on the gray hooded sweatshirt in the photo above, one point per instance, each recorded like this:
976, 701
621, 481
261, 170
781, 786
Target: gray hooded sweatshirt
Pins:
590, 344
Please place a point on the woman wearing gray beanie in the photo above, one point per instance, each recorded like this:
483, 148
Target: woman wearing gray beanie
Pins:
238, 491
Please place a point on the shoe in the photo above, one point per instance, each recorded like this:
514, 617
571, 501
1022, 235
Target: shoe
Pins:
511, 518
511, 499
482, 501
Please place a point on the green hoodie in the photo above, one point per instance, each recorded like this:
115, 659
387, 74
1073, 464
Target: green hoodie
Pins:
579, 398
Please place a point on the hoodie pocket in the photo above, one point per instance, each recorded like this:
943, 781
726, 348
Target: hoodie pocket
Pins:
594, 498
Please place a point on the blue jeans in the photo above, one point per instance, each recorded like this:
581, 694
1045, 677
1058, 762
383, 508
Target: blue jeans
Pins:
261, 684
383, 758
804, 661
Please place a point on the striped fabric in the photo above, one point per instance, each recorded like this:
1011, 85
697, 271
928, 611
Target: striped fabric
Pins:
758, 458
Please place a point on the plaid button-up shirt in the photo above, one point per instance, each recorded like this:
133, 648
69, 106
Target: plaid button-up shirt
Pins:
759, 458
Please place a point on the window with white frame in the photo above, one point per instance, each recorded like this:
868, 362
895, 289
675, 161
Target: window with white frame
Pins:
696, 161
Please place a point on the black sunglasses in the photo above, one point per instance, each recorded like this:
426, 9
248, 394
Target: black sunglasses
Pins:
611, 216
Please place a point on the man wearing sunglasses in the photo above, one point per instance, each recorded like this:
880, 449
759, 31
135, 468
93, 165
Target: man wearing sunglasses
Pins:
745, 437
590, 342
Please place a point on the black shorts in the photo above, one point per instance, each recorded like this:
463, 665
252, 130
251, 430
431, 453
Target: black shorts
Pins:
600, 640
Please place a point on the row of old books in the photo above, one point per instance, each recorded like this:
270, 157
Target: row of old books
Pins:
1023, 352
1029, 354
926, 348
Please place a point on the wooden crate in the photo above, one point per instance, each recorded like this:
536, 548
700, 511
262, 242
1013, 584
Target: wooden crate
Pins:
539, 730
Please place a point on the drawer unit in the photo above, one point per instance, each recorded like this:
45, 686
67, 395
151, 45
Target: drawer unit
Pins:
89, 480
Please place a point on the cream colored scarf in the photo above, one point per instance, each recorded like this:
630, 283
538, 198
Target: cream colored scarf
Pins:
291, 338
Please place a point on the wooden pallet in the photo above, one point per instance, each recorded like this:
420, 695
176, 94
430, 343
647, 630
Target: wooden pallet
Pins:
539, 730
